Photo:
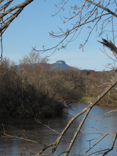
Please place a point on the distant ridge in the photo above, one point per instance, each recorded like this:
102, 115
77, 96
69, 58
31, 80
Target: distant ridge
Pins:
61, 65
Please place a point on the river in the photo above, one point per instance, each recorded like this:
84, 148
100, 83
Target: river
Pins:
94, 126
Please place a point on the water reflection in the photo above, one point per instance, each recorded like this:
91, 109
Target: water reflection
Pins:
91, 130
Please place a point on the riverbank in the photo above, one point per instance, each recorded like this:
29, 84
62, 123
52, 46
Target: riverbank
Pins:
88, 100
32, 89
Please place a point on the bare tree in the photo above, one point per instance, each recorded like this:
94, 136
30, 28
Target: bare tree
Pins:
7, 15
84, 13
99, 16
11, 13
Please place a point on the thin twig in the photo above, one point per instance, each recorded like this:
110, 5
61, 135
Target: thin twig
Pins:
115, 137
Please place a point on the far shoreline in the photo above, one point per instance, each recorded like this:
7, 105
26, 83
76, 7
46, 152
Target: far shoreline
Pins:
88, 100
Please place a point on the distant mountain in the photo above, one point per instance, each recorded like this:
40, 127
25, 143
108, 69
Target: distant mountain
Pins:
60, 65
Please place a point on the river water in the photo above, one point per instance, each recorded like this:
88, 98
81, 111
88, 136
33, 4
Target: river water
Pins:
94, 127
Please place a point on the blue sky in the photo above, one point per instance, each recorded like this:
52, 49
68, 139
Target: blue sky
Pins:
31, 29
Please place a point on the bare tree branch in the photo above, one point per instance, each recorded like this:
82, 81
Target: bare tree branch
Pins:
109, 45
18, 9
99, 6
84, 13
115, 137
87, 110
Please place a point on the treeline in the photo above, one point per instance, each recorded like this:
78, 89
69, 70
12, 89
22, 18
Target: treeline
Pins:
32, 89
96, 82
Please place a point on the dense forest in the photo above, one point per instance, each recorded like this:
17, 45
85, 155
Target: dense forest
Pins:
32, 89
